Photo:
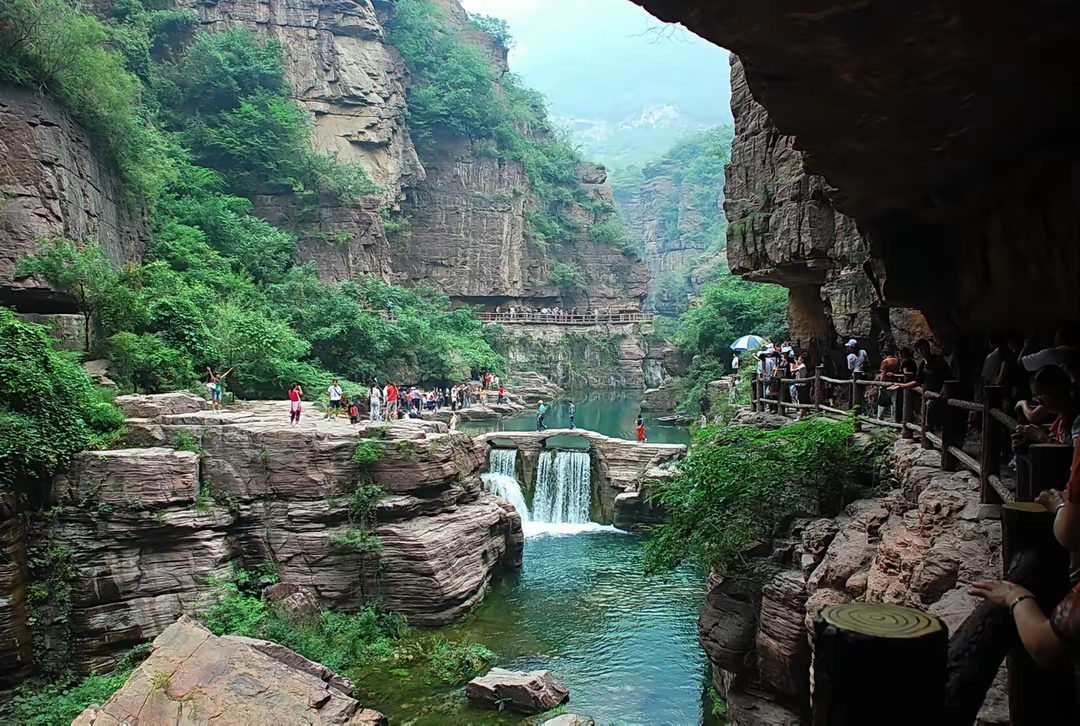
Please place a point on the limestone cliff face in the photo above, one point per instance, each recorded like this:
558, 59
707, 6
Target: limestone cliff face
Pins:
784, 229
54, 181
352, 82
142, 543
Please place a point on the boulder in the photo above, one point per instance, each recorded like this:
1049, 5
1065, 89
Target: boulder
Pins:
296, 602
532, 692
727, 624
160, 404
783, 651
569, 719
191, 671
660, 400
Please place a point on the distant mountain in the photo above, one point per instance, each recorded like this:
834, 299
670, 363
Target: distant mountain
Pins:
626, 85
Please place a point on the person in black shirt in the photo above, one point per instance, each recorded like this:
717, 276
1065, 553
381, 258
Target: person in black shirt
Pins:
931, 375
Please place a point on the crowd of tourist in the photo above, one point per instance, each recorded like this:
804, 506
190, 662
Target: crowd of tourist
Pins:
555, 314
393, 402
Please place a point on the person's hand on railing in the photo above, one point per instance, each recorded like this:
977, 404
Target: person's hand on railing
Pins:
1052, 499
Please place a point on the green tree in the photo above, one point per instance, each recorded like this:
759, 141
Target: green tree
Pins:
82, 272
569, 281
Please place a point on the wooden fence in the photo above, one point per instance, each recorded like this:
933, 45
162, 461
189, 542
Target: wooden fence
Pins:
1041, 467
565, 318
1030, 554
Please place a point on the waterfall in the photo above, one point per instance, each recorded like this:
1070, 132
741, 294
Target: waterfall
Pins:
563, 488
503, 461
500, 480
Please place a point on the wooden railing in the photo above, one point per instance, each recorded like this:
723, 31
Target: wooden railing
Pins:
565, 318
1042, 466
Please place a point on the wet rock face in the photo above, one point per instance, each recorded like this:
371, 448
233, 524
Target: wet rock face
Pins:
55, 181
603, 356
147, 528
191, 671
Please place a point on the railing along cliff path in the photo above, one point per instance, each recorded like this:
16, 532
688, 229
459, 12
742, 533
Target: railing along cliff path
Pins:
565, 318
967, 662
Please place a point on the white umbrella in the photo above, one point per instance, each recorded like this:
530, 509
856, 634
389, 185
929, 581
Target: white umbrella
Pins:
748, 342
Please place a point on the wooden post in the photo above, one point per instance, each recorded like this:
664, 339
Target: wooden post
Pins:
909, 412
784, 396
819, 387
990, 463
924, 407
1049, 469
857, 393
863, 650
1037, 695
754, 393
948, 461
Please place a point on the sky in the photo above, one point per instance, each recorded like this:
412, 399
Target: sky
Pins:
609, 59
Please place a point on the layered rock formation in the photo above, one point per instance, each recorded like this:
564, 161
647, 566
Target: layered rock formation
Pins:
55, 181
146, 528
192, 674
921, 545
976, 235
613, 355
785, 230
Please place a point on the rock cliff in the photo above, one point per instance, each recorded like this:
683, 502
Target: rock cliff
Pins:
55, 181
977, 235
144, 528
785, 230
921, 545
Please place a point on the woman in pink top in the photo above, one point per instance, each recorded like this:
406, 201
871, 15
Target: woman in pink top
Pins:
295, 394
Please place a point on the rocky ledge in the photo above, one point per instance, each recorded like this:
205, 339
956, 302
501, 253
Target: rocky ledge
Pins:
921, 545
146, 527
193, 675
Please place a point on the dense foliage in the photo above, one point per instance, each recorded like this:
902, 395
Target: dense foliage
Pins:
347, 643
738, 484
61, 702
49, 408
220, 287
458, 93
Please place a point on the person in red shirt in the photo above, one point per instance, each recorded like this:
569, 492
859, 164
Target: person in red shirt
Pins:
295, 394
502, 394
391, 400
640, 430
354, 412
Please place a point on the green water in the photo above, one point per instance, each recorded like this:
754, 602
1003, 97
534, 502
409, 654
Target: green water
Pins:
625, 644
612, 413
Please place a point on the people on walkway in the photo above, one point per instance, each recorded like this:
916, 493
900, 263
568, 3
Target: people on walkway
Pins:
857, 358
889, 372
216, 387
572, 409
295, 395
541, 412
334, 393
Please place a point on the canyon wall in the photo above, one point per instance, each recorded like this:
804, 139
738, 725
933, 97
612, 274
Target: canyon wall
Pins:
142, 531
785, 230
56, 181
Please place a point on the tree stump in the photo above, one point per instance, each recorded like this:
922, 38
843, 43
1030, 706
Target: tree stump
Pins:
879, 664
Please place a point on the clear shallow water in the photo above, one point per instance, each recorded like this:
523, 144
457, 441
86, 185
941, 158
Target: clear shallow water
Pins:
612, 413
625, 644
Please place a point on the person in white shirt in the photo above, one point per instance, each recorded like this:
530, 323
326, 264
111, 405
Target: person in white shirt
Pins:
375, 403
735, 363
334, 392
1062, 354
857, 359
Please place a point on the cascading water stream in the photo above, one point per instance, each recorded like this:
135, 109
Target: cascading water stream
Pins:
500, 480
563, 488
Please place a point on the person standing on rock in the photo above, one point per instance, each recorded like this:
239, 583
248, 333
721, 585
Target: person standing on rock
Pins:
502, 394
295, 394
541, 411
375, 403
391, 400
453, 421
572, 409
216, 387
640, 430
334, 392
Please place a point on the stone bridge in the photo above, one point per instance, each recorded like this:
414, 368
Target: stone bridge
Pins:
621, 469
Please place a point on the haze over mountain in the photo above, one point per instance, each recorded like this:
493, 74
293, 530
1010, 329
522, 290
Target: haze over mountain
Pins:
625, 84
